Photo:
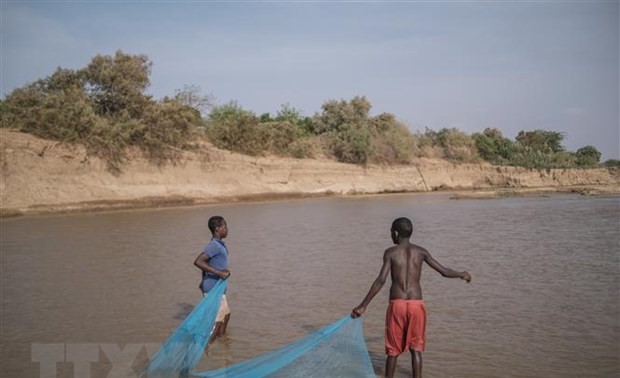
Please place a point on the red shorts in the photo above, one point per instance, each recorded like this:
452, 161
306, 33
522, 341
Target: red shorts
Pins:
405, 326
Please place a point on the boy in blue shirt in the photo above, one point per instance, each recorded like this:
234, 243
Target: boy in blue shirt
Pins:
213, 261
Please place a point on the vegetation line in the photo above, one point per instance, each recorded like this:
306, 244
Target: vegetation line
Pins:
104, 107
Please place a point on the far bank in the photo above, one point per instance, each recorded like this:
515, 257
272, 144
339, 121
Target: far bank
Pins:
41, 176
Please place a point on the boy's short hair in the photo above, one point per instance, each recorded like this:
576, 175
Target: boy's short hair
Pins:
215, 222
403, 226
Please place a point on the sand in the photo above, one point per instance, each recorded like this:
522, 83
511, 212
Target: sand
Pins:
42, 176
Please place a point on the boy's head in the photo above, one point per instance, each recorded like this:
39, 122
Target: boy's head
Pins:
401, 228
218, 227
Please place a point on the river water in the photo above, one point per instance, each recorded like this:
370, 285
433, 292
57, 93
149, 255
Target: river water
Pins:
544, 300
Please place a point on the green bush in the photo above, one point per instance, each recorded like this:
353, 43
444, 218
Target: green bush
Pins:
166, 128
393, 144
304, 148
351, 144
493, 147
64, 115
338, 115
104, 107
232, 128
453, 144
109, 141
541, 140
612, 163
457, 145
117, 83
278, 136
536, 159
587, 156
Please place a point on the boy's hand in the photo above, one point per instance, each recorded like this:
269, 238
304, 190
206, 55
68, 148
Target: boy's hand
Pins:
465, 276
224, 274
358, 311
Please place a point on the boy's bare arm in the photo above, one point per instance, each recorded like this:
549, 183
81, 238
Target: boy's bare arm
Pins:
375, 287
202, 262
446, 272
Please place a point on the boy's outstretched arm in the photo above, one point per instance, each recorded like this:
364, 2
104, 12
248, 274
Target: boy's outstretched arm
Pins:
375, 287
446, 272
202, 263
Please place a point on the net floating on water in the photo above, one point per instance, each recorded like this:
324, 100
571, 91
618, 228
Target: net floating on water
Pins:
336, 350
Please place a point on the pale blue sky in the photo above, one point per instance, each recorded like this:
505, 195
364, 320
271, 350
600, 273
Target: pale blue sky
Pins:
471, 65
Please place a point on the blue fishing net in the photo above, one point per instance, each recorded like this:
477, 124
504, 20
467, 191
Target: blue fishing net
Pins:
183, 349
336, 350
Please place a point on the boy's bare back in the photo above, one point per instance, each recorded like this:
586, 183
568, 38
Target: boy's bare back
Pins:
404, 262
406, 268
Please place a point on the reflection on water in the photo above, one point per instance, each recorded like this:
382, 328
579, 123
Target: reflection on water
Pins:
544, 301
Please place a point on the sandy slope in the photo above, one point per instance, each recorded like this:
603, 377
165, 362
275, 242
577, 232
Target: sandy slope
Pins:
39, 176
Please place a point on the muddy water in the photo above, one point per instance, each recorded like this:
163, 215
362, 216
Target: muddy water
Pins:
544, 301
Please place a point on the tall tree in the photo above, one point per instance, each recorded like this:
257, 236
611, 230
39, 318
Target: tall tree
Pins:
117, 83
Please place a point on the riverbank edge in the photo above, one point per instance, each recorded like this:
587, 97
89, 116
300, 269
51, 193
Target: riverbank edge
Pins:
177, 201
39, 176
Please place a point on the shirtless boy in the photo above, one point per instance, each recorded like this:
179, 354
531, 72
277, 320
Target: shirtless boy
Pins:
405, 323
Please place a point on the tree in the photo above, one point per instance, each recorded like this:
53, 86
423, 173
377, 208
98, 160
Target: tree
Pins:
117, 83
486, 147
192, 96
337, 114
612, 163
587, 156
541, 140
352, 144
493, 146
348, 127
289, 113
104, 107
231, 127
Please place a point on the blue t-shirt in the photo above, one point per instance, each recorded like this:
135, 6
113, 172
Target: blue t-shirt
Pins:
217, 255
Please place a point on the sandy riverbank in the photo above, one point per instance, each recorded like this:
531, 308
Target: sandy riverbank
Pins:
41, 176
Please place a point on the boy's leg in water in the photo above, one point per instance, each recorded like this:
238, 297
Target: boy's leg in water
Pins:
224, 325
216, 332
390, 366
416, 363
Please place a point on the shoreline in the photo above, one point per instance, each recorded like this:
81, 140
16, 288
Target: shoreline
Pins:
502, 193
102, 206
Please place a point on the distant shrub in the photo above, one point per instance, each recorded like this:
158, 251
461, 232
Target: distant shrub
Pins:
117, 83
393, 144
233, 128
104, 107
340, 115
110, 140
278, 136
60, 115
541, 140
493, 147
536, 159
304, 148
587, 156
451, 144
356, 137
351, 144
457, 145
166, 128
192, 97
612, 163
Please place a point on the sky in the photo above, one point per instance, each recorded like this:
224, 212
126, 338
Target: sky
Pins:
512, 65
